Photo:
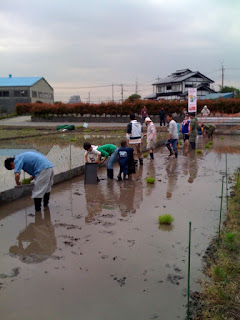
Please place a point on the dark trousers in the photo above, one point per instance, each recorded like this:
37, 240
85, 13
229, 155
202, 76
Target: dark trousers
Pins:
162, 121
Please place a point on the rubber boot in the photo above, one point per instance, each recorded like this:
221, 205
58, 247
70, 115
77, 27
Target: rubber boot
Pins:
46, 199
37, 203
176, 154
124, 176
119, 176
110, 173
141, 162
151, 155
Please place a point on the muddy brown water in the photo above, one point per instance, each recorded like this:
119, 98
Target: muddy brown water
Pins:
99, 253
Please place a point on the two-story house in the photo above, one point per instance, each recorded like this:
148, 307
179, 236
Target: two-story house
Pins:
175, 86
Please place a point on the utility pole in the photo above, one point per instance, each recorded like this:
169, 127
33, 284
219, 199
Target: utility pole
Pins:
136, 91
122, 92
112, 92
89, 97
222, 75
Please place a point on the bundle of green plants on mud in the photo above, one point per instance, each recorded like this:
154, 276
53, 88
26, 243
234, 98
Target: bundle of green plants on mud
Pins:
220, 295
229, 106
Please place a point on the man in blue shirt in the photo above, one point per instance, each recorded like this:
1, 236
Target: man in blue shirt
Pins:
39, 168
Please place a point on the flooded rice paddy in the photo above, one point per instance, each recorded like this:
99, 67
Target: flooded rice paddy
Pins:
98, 251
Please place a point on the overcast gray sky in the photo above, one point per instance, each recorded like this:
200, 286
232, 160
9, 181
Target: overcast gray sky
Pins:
78, 43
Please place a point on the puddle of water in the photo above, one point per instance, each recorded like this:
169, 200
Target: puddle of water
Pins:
99, 252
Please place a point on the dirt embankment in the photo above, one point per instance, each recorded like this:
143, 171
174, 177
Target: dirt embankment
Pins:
220, 296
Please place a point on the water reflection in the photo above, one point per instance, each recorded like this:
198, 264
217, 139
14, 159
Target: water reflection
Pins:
94, 200
38, 241
172, 175
150, 173
131, 193
165, 227
193, 168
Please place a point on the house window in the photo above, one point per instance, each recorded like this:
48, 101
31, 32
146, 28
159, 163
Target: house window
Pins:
40, 95
20, 93
188, 85
34, 94
169, 87
175, 87
5, 93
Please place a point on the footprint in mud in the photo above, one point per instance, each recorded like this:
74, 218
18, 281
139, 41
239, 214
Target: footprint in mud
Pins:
15, 273
120, 281
173, 278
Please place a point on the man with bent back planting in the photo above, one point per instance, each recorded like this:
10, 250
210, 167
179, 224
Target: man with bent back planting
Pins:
39, 168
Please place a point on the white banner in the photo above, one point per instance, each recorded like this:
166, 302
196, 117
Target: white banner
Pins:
192, 100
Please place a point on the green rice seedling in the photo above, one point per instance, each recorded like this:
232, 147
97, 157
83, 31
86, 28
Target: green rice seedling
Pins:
180, 142
73, 139
96, 130
230, 242
26, 181
219, 274
210, 143
207, 146
87, 130
230, 236
198, 151
165, 219
150, 180
222, 138
145, 154
79, 127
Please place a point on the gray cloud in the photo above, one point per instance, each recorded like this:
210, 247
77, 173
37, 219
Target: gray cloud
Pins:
82, 43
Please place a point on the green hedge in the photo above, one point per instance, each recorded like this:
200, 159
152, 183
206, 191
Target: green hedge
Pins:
125, 108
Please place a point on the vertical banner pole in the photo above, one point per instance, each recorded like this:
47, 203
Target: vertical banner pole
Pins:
189, 257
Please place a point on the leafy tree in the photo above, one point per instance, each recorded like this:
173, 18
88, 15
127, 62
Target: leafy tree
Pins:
134, 97
231, 89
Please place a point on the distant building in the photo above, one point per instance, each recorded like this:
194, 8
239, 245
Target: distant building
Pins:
75, 99
175, 86
15, 90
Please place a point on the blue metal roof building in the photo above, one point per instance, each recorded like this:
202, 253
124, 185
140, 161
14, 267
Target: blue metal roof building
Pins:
19, 81
214, 96
15, 90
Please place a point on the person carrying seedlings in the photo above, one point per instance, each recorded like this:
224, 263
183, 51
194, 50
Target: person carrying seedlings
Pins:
193, 130
92, 155
172, 141
109, 151
39, 168
134, 139
209, 128
151, 136
125, 160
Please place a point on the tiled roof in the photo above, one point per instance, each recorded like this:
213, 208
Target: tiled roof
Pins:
179, 77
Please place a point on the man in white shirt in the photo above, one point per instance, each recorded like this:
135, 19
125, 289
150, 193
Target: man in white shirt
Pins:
172, 141
134, 139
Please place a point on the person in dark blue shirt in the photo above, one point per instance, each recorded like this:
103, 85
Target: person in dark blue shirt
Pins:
125, 160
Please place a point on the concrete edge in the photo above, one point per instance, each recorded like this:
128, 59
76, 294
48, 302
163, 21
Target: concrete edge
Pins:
17, 193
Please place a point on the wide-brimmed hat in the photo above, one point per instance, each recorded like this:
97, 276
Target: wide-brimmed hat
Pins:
147, 119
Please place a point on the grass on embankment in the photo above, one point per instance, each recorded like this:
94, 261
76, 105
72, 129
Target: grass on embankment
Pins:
221, 292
